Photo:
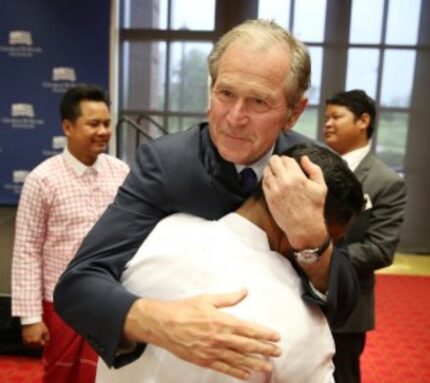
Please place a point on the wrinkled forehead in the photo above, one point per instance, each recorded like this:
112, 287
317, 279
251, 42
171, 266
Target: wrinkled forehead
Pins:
242, 63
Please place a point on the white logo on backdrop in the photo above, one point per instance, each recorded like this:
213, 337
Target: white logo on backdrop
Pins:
20, 38
20, 45
63, 78
59, 142
18, 178
22, 110
22, 116
63, 74
20, 175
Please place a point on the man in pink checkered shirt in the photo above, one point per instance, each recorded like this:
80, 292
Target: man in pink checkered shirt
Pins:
61, 200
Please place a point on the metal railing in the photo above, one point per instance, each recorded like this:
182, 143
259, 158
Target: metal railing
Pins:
127, 141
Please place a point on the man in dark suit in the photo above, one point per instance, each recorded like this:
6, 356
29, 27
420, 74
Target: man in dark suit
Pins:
374, 235
259, 75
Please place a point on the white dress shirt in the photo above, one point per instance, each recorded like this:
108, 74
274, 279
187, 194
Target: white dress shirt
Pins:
186, 256
354, 157
258, 166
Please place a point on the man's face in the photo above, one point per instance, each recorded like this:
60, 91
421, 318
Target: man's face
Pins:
248, 108
89, 135
343, 132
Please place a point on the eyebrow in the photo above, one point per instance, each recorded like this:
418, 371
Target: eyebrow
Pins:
263, 94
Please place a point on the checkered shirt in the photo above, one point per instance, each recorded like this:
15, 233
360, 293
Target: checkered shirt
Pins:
60, 201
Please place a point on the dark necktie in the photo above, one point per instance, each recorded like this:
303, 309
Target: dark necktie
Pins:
248, 180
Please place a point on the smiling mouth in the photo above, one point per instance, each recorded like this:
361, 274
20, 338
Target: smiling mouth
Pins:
101, 144
235, 138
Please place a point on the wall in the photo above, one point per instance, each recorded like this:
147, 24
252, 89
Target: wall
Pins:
45, 48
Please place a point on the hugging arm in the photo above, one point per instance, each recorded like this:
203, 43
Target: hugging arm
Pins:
301, 217
90, 298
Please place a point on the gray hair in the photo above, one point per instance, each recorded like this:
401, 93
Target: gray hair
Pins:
262, 34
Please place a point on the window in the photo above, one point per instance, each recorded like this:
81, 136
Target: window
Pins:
306, 20
381, 60
363, 64
163, 79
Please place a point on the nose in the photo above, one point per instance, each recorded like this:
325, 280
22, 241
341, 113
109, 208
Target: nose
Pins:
238, 114
328, 122
103, 130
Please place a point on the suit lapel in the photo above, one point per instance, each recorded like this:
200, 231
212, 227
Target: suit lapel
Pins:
362, 173
364, 167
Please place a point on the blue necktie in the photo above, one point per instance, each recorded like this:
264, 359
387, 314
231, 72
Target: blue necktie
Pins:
248, 180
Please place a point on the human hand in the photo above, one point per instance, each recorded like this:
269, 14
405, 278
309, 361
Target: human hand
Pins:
195, 330
35, 334
296, 199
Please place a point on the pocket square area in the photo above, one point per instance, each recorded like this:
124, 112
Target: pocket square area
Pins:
368, 201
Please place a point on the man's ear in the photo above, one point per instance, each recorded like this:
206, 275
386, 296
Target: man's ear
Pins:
67, 127
295, 113
364, 121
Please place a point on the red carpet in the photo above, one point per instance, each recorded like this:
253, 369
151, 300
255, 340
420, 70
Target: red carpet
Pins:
398, 351
20, 369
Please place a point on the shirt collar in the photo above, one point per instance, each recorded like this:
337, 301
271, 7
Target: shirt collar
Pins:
354, 157
79, 167
259, 165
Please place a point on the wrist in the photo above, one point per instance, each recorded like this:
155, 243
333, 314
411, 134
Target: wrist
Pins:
132, 323
309, 237
29, 320
311, 254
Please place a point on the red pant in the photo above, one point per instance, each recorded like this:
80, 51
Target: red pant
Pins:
68, 358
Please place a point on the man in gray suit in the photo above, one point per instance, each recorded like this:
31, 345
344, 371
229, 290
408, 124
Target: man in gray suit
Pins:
374, 235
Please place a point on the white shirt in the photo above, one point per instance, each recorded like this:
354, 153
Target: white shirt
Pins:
259, 165
185, 256
354, 157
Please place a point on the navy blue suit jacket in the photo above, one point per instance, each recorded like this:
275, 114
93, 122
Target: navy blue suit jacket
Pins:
178, 173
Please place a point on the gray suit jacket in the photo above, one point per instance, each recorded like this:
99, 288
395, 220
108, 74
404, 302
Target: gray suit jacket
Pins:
373, 236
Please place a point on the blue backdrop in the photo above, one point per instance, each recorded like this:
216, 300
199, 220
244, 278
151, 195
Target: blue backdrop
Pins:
46, 46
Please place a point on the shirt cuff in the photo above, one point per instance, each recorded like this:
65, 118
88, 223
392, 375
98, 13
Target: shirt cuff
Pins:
318, 293
30, 320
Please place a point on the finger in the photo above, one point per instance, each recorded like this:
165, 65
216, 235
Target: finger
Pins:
240, 327
46, 338
248, 332
244, 344
275, 165
291, 168
229, 299
270, 182
245, 362
268, 178
230, 370
313, 171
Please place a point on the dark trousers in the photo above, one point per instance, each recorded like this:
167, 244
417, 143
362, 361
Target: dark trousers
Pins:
349, 347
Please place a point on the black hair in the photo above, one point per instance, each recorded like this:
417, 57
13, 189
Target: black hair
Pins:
358, 102
344, 196
70, 103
